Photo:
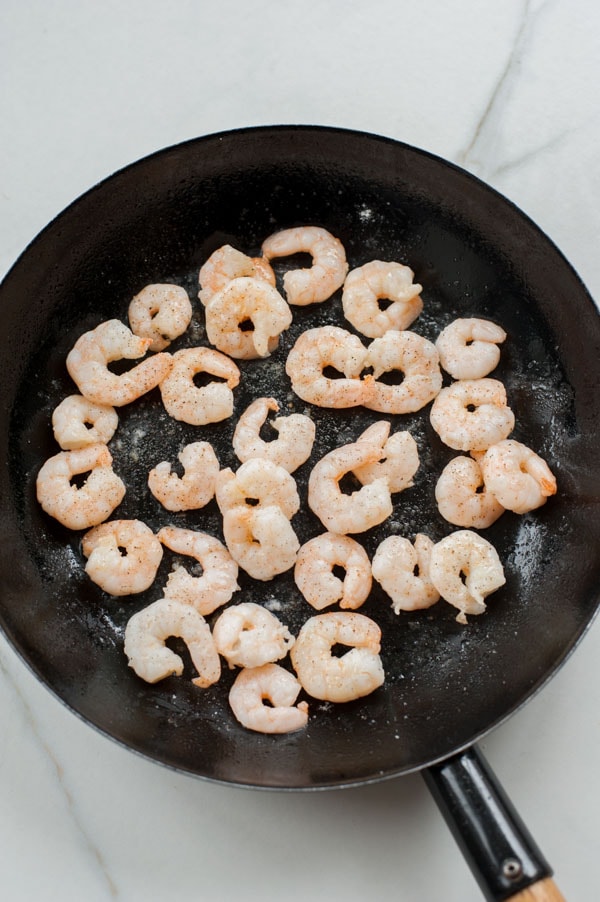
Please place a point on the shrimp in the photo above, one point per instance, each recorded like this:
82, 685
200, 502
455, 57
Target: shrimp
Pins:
185, 401
247, 635
218, 582
338, 679
195, 488
226, 264
88, 359
376, 280
161, 313
402, 570
247, 300
462, 497
152, 660
329, 347
316, 580
261, 540
472, 414
468, 348
77, 423
123, 556
520, 479
465, 568
400, 459
293, 445
259, 483
85, 506
280, 688
413, 356
329, 265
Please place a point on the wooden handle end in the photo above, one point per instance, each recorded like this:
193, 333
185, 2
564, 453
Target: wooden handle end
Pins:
542, 891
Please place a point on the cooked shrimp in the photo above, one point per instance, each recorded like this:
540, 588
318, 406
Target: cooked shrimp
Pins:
122, 556
520, 479
77, 422
226, 264
291, 448
88, 505
338, 679
87, 364
416, 359
468, 348
402, 570
185, 401
145, 636
247, 300
161, 313
462, 497
400, 459
195, 488
247, 635
259, 483
465, 568
472, 414
218, 582
329, 265
323, 347
367, 285
261, 540
316, 580
280, 688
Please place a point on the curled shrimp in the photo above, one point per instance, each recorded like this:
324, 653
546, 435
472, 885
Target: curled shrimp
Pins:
318, 583
329, 347
226, 264
257, 482
338, 679
416, 359
462, 496
123, 556
465, 568
329, 265
88, 359
280, 688
77, 422
200, 405
402, 570
218, 582
195, 488
161, 313
367, 285
261, 540
247, 300
80, 507
472, 414
399, 462
145, 636
247, 635
468, 348
520, 479
291, 448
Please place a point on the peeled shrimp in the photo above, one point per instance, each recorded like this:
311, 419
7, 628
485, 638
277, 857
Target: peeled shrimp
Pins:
145, 636
400, 459
247, 300
472, 414
247, 635
367, 285
261, 540
520, 479
123, 556
195, 488
329, 265
335, 348
338, 679
280, 688
185, 401
87, 364
291, 448
416, 359
402, 570
226, 264
218, 582
462, 497
259, 483
160, 313
77, 423
88, 505
316, 580
465, 569
468, 348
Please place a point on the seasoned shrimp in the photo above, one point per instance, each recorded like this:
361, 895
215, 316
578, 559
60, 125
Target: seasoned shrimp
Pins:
400, 459
88, 505
152, 660
465, 568
123, 556
185, 401
329, 347
226, 264
280, 688
291, 448
161, 313
367, 285
77, 423
462, 497
338, 679
247, 300
318, 583
402, 570
247, 635
218, 582
416, 359
329, 265
520, 479
259, 483
195, 488
261, 540
468, 348
88, 359
472, 414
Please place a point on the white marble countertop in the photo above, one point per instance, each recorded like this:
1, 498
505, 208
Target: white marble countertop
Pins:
508, 91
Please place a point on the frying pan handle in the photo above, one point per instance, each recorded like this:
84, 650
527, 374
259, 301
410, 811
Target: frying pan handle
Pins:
500, 851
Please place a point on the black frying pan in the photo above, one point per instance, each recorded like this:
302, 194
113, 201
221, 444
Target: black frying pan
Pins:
447, 685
